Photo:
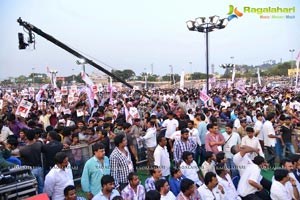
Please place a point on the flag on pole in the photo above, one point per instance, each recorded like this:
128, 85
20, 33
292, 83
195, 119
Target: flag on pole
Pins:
87, 79
91, 95
204, 97
54, 81
182, 80
233, 74
48, 70
110, 90
258, 76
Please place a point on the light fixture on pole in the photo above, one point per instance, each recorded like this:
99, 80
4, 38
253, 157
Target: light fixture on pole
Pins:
227, 68
33, 75
146, 79
171, 74
191, 65
201, 25
81, 62
73, 75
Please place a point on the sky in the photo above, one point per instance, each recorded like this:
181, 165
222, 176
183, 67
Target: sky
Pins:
138, 34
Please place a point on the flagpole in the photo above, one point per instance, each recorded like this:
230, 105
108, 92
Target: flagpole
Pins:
258, 76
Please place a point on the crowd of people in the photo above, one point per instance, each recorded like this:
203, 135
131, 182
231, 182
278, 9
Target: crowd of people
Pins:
195, 149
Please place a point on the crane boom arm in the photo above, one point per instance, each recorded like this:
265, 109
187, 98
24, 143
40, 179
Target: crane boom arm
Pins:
38, 31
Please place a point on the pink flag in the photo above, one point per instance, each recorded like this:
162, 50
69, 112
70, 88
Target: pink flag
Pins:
264, 89
204, 97
298, 57
48, 70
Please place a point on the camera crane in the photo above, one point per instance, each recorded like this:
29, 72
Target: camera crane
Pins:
31, 28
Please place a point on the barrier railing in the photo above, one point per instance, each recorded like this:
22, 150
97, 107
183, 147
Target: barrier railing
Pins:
79, 154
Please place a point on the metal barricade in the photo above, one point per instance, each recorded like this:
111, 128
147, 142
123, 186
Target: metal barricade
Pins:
78, 155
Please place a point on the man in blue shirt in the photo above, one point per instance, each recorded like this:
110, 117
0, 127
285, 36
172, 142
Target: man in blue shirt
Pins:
175, 180
93, 171
108, 190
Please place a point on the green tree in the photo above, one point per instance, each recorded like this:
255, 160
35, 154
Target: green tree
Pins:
198, 75
123, 74
166, 78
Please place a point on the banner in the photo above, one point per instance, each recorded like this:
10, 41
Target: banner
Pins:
134, 112
74, 89
95, 89
24, 108
64, 90
204, 97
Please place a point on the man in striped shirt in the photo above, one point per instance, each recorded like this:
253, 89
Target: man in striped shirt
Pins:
120, 162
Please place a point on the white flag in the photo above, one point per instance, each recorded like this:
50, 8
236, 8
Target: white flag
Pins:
258, 76
86, 79
182, 80
233, 74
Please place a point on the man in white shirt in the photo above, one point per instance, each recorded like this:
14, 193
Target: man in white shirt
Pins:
172, 125
59, 177
279, 188
252, 141
209, 164
225, 103
270, 139
241, 157
249, 186
231, 138
258, 128
288, 165
4, 132
161, 156
162, 186
211, 189
190, 169
226, 182
150, 141
194, 134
